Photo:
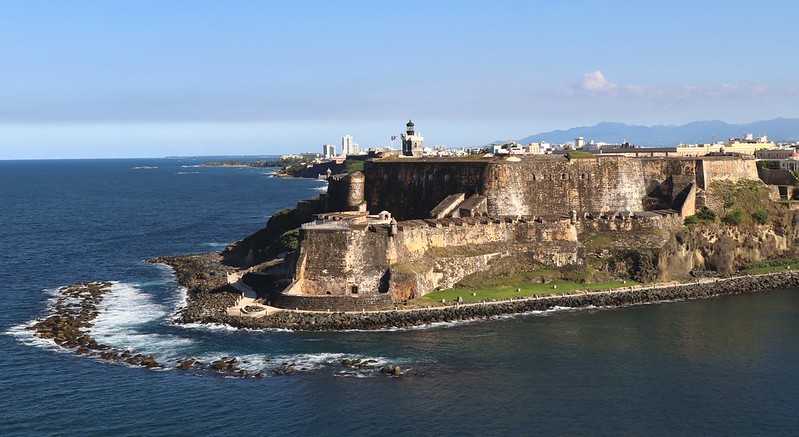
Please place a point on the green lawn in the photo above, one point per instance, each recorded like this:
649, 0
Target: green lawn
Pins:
353, 165
771, 266
527, 289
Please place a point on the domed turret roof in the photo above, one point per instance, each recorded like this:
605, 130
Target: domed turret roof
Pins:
410, 124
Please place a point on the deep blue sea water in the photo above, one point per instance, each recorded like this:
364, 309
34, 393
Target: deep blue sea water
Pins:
725, 366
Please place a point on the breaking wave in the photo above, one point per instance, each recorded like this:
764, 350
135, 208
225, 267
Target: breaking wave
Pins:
125, 313
305, 362
215, 245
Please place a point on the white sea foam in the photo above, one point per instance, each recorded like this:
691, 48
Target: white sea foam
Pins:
223, 327
456, 323
322, 189
144, 167
26, 336
123, 312
299, 362
188, 172
215, 244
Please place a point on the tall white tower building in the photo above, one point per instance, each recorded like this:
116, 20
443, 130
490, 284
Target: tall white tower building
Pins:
328, 150
346, 145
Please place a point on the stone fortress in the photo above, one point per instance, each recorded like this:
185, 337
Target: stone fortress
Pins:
408, 225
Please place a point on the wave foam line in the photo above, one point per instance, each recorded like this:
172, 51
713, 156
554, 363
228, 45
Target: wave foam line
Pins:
123, 314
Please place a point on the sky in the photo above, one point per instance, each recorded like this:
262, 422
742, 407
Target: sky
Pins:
88, 79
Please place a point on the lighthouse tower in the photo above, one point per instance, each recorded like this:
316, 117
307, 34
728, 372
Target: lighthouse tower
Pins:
411, 141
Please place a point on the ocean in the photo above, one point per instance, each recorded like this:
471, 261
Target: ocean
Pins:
724, 366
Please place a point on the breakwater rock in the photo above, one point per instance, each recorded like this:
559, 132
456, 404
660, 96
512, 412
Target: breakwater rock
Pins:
74, 309
318, 321
69, 321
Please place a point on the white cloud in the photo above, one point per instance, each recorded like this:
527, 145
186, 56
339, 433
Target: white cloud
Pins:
595, 82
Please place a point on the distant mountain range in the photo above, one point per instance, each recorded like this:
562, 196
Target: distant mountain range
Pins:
778, 129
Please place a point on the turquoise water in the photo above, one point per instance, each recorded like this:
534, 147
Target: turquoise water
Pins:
717, 367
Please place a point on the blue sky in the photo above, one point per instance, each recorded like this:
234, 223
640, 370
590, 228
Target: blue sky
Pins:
156, 78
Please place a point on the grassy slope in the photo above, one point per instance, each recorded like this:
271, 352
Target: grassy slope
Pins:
771, 266
527, 289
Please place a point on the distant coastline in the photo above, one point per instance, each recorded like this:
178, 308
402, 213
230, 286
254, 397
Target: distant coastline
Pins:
241, 164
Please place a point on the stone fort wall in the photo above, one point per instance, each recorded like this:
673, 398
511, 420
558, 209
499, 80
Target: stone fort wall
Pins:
551, 186
410, 189
345, 260
367, 261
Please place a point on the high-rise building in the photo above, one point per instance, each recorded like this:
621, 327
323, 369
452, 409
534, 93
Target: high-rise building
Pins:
346, 145
328, 151
411, 142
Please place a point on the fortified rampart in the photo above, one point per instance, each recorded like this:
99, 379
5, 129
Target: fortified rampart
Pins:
411, 189
724, 169
402, 260
345, 192
559, 185
345, 259
485, 209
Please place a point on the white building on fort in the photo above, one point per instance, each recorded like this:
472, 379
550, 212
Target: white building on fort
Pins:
412, 143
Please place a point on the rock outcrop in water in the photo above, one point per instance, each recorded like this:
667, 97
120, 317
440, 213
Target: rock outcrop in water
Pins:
70, 319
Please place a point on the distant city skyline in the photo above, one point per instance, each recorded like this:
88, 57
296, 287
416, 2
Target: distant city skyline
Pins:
145, 79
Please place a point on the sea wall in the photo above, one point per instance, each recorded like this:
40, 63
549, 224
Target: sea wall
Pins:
399, 319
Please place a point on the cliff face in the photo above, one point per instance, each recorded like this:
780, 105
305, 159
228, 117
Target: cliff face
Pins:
723, 248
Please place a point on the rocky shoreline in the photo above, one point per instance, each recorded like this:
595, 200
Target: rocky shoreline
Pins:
197, 312
71, 316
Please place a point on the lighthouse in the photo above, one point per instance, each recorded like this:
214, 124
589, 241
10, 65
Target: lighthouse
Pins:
411, 141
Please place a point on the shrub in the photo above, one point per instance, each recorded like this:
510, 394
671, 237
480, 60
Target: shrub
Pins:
691, 220
705, 214
579, 154
733, 217
290, 240
760, 216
